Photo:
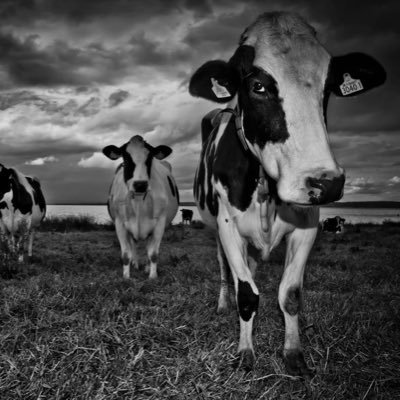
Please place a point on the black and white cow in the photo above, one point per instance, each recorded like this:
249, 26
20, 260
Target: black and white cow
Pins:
22, 206
143, 199
335, 225
266, 163
187, 216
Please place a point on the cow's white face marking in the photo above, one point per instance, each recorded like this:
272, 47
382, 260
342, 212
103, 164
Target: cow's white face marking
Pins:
291, 54
141, 158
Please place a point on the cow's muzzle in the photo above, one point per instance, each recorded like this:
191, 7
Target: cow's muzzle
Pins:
325, 190
140, 187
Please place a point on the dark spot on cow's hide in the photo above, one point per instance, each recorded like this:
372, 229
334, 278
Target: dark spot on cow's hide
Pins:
125, 259
153, 258
171, 186
247, 300
37, 193
21, 200
235, 169
293, 300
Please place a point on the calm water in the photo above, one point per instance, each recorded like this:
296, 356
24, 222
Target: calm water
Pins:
352, 215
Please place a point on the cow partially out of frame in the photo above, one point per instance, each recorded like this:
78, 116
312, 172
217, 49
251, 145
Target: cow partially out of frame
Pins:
335, 225
266, 163
22, 208
143, 199
187, 216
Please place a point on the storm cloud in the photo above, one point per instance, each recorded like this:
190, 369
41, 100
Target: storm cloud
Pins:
78, 75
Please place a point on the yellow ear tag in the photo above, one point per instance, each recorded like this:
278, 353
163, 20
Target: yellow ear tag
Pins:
350, 85
219, 90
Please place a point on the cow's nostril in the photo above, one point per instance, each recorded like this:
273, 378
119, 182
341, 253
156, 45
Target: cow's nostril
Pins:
140, 186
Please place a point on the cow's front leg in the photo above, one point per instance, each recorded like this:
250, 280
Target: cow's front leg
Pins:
247, 295
223, 299
126, 247
30, 243
153, 246
298, 246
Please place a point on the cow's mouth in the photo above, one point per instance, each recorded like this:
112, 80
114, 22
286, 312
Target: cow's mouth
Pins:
134, 195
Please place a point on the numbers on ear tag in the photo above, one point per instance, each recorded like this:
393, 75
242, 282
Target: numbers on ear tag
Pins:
350, 85
219, 90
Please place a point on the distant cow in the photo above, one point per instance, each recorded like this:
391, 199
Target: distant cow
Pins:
22, 206
335, 224
143, 199
266, 163
187, 215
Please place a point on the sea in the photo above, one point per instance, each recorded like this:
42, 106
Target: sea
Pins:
352, 215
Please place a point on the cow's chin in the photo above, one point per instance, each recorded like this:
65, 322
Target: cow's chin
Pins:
297, 197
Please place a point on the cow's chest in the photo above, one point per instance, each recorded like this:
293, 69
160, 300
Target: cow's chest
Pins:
141, 218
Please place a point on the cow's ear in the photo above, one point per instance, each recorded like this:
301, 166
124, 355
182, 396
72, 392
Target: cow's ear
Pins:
216, 81
354, 73
112, 152
161, 152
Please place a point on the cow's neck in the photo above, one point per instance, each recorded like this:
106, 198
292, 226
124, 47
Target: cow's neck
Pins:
238, 169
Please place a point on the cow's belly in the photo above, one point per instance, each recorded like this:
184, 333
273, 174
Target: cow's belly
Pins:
139, 228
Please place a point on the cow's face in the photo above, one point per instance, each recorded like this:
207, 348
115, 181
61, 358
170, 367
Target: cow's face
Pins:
281, 78
137, 158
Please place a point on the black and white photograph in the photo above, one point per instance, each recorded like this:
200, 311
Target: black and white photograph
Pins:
199, 199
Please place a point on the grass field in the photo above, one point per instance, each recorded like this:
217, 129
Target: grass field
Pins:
72, 328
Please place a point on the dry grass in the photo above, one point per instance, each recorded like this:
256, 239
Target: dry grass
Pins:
72, 328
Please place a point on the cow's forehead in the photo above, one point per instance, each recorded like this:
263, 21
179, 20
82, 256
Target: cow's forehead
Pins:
287, 47
137, 148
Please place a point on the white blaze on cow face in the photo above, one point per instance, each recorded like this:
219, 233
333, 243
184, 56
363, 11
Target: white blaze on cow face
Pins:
137, 165
289, 52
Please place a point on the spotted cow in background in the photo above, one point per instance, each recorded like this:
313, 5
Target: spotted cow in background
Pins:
335, 224
266, 164
143, 199
187, 216
22, 207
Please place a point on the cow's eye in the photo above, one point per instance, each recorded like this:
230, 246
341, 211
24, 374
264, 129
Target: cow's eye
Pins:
258, 87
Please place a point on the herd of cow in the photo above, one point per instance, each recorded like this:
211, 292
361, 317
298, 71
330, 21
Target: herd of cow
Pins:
265, 167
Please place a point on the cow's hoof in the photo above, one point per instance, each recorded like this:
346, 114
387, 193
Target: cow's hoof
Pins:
296, 365
245, 360
223, 309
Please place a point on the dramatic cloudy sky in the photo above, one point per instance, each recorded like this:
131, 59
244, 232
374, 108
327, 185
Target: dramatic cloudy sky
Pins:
77, 75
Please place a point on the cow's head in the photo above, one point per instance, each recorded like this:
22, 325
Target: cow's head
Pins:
281, 78
137, 158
